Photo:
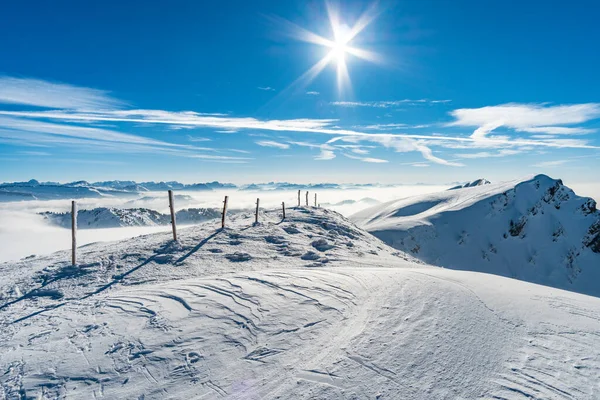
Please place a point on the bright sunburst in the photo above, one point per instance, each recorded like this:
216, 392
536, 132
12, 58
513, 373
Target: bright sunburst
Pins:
340, 46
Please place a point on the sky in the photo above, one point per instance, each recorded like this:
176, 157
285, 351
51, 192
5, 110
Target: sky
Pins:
299, 91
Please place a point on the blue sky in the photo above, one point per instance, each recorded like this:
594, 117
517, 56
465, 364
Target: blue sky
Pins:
406, 91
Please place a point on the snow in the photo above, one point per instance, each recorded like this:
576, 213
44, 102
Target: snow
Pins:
104, 217
534, 229
241, 313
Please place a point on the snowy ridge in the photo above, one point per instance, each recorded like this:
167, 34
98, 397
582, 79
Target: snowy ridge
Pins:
104, 217
310, 307
535, 229
477, 182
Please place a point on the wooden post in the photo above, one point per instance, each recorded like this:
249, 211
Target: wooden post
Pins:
283, 207
224, 212
315, 199
298, 198
256, 215
307, 198
173, 222
73, 233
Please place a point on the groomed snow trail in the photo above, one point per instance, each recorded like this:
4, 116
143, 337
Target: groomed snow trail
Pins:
311, 307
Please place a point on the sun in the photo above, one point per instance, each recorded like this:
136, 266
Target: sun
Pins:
338, 51
340, 47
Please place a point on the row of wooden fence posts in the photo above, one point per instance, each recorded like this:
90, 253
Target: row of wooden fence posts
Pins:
306, 198
173, 221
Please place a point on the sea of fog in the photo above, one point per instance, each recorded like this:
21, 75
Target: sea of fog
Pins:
24, 233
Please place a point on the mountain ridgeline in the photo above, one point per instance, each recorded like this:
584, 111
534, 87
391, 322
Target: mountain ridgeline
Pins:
35, 190
104, 217
536, 230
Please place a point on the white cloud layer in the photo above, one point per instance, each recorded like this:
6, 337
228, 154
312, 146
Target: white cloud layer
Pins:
39, 93
532, 118
75, 109
271, 143
386, 104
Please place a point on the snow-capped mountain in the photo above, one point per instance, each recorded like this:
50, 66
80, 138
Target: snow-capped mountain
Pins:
310, 307
104, 217
535, 229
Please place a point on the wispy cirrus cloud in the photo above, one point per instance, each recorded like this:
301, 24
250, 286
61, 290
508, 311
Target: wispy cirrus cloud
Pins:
79, 126
266, 88
272, 143
312, 93
366, 159
550, 164
40, 93
532, 118
487, 154
198, 139
387, 103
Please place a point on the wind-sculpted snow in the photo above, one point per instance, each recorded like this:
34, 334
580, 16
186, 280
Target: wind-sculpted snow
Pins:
536, 230
240, 313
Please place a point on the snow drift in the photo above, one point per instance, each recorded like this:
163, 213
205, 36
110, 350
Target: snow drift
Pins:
308, 307
535, 229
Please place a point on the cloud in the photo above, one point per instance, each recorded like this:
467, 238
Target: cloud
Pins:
533, 118
198, 139
40, 93
295, 125
266, 88
559, 130
72, 132
383, 127
35, 153
487, 154
312, 93
366, 159
405, 145
550, 164
386, 104
271, 143
419, 165
325, 154
223, 159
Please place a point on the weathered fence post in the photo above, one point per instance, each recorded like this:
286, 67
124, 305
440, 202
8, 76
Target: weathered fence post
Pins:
73, 233
283, 207
298, 198
307, 198
315, 199
173, 222
256, 215
224, 212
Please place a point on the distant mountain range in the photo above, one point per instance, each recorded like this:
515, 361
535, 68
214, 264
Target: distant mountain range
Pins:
104, 217
35, 190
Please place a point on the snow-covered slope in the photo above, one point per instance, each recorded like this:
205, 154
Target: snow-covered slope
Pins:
310, 307
535, 229
104, 217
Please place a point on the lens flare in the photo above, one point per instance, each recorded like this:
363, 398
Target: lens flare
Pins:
339, 46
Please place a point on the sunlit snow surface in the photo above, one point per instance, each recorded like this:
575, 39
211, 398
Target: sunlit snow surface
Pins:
310, 307
534, 229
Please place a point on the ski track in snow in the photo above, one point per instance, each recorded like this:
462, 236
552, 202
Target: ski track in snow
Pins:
241, 313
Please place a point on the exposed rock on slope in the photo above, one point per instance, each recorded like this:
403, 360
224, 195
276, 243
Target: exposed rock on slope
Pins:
477, 182
536, 229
